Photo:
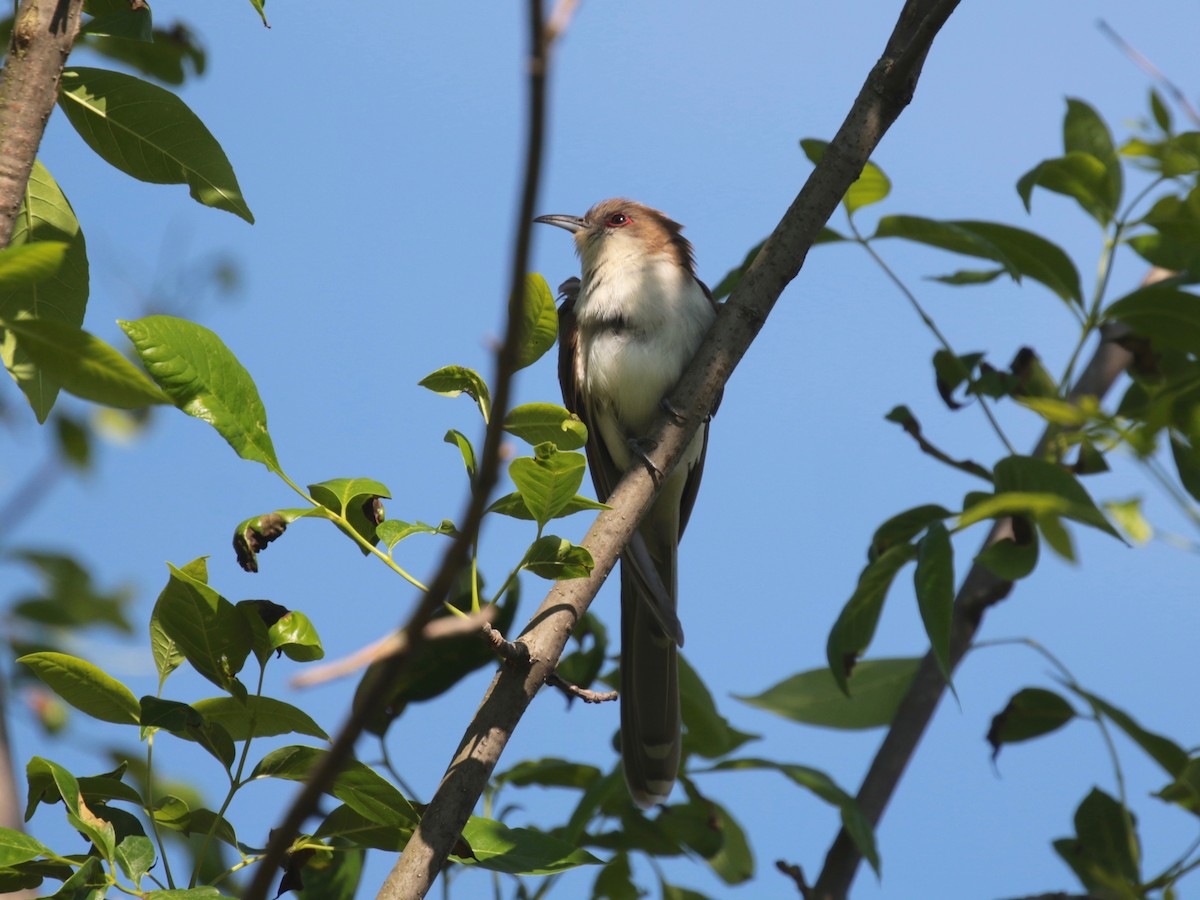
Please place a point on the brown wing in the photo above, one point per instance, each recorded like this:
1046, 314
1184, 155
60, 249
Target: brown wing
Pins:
692, 486
604, 471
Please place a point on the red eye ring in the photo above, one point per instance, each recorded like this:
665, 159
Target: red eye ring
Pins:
616, 220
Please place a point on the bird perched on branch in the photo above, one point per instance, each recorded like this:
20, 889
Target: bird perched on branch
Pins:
627, 330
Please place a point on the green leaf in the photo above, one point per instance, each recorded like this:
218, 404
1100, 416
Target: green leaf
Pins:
393, 531
357, 785
1165, 752
558, 559
853, 819
1021, 252
1080, 176
1162, 115
1167, 315
456, 438
1027, 473
969, 276
295, 634
1174, 243
258, 717
903, 527
149, 133
871, 186
45, 216
185, 722
733, 277
1128, 515
1012, 558
172, 55
855, 626
548, 480
539, 321
1104, 853
83, 364
537, 423
450, 381
17, 847
1030, 713
135, 856
550, 772
733, 862
513, 505
707, 732
1187, 463
117, 20
519, 851
167, 655
205, 380
1085, 132
85, 686
814, 698
206, 628
934, 582
25, 265
357, 500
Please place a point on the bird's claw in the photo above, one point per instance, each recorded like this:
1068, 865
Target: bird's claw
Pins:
670, 409
641, 448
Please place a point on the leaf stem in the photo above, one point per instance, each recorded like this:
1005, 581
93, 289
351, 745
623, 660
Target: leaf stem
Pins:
344, 525
929, 323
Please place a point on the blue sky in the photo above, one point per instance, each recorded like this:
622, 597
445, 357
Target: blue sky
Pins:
379, 150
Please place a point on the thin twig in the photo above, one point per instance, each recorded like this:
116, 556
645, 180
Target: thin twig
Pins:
456, 557
505, 649
796, 874
1150, 69
575, 691
389, 645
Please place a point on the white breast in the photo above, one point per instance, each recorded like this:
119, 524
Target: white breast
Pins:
627, 370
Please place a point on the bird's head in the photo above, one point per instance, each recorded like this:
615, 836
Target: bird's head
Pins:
616, 230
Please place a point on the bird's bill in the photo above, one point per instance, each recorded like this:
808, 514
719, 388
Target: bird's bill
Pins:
572, 224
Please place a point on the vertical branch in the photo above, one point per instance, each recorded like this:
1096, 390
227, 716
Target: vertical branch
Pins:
458, 554
43, 33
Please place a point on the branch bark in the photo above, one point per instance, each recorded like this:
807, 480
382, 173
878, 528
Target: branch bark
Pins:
42, 35
887, 91
980, 589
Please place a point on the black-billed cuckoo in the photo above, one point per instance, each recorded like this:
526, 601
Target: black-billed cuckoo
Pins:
627, 330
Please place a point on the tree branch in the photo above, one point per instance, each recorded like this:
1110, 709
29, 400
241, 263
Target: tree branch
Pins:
457, 555
980, 589
42, 35
888, 89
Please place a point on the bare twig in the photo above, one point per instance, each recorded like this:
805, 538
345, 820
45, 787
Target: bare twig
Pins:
1152, 70
886, 92
913, 428
42, 35
458, 553
575, 691
560, 18
396, 642
794, 872
506, 649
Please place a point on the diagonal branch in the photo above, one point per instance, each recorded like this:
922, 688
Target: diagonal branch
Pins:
980, 590
887, 91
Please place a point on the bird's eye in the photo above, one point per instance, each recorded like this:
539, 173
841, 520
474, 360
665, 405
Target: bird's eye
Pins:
616, 220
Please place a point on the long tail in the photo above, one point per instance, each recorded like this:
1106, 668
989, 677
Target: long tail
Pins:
650, 716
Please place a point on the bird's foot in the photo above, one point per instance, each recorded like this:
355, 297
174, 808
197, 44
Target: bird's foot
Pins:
641, 448
677, 418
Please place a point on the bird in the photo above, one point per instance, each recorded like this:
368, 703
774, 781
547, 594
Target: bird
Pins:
628, 327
